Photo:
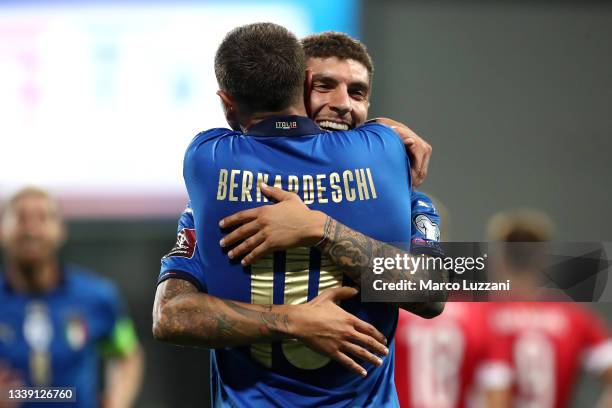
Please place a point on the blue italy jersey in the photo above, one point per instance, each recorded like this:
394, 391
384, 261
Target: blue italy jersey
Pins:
359, 177
57, 338
183, 261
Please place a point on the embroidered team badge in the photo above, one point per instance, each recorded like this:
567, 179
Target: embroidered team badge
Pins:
427, 227
76, 332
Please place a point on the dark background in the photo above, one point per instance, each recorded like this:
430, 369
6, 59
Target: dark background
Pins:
516, 99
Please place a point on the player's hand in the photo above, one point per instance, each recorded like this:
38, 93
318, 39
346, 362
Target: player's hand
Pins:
330, 330
418, 149
287, 224
8, 380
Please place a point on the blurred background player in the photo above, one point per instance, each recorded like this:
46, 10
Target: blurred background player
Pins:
436, 359
56, 320
545, 343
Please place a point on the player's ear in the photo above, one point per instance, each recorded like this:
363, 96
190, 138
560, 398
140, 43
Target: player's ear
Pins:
229, 109
307, 90
225, 98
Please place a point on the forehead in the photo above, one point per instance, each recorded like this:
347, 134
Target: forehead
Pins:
344, 70
29, 203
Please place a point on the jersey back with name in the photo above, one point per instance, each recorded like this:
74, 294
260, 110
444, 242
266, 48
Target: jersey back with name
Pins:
361, 178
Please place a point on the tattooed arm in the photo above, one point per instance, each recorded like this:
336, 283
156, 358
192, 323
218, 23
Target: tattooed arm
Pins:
183, 315
355, 252
290, 223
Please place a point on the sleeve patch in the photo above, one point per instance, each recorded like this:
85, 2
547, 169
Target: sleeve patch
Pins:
427, 227
185, 244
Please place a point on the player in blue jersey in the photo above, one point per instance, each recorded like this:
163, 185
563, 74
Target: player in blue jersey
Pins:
342, 70
339, 98
297, 375
57, 321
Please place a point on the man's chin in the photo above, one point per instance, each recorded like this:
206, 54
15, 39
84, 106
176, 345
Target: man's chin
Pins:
28, 260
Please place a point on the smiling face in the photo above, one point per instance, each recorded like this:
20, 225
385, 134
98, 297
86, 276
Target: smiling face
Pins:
340, 92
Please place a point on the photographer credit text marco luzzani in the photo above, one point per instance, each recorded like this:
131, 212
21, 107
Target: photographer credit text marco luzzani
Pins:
411, 264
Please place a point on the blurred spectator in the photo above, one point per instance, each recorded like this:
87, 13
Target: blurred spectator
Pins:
56, 320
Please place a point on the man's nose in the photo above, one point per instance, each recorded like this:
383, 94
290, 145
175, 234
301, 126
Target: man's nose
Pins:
31, 226
341, 102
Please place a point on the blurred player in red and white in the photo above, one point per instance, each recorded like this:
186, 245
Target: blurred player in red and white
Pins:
546, 343
437, 359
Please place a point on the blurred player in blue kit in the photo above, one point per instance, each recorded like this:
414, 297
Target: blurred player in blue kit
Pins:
284, 148
57, 321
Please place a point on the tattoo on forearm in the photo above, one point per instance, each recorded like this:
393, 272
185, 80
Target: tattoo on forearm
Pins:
199, 319
354, 253
225, 325
270, 321
175, 287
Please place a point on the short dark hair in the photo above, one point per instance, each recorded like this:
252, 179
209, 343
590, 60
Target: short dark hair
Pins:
334, 44
261, 66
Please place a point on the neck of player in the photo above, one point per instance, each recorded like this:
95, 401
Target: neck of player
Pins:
33, 277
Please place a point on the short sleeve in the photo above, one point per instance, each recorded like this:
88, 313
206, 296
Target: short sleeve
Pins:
597, 355
391, 139
183, 261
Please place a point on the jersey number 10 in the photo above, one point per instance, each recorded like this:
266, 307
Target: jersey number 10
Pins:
296, 282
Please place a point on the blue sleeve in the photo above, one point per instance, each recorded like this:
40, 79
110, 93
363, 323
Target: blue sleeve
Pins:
197, 163
393, 138
425, 226
183, 260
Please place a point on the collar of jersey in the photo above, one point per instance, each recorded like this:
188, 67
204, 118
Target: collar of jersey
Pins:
291, 125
